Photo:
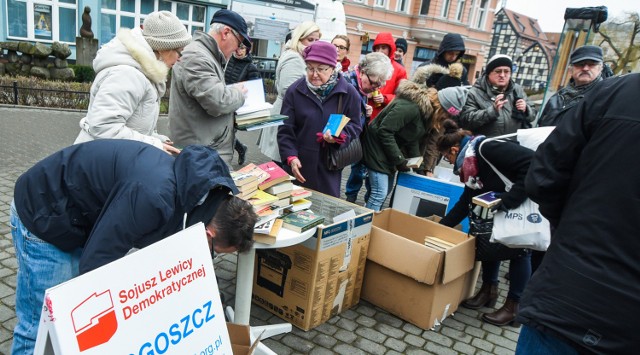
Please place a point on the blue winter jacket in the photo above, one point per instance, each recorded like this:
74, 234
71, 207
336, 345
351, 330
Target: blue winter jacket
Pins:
107, 196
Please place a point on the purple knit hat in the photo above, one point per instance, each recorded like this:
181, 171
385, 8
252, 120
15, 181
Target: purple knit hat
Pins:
321, 52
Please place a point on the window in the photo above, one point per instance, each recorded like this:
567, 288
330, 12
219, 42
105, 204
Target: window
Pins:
482, 14
445, 8
403, 5
42, 20
424, 7
379, 3
367, 47
424, 54
460, 11
115, 14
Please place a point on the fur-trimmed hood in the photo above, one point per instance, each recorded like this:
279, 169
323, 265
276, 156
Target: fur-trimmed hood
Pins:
424, 72
130, 48
416, 93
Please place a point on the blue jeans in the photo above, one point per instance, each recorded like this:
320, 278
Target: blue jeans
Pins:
519, 272
356, 177
380, 187
40, 266
535, 342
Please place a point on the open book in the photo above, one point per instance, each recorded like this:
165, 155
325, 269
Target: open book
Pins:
255, 104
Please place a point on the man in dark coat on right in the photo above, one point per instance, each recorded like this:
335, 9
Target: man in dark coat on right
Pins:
584, 297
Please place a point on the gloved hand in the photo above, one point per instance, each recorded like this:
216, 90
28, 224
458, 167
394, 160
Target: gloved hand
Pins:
402, 167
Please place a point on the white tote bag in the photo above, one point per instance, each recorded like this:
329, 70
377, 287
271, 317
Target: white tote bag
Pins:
523, 226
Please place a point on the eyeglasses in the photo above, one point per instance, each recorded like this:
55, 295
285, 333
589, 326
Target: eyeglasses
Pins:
586, 63
179, 53
240, 44
374, 84
317, 70
502, 72
342, 48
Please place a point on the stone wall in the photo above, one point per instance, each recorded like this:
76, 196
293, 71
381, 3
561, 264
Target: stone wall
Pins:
38, 60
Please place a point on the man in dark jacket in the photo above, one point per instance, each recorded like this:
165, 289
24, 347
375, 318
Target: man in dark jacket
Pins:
586, 71
89, 204
450, 51
584, 296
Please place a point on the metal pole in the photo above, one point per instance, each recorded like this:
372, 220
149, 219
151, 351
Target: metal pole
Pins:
15, 92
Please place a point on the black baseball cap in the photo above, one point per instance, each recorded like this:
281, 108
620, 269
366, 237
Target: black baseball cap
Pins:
233, 20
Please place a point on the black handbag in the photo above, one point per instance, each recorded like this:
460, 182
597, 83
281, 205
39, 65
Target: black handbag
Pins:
481, 229
338, 158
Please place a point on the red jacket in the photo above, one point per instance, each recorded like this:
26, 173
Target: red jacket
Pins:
399, 74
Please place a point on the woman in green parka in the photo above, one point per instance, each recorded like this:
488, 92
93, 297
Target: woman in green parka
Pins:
408, 127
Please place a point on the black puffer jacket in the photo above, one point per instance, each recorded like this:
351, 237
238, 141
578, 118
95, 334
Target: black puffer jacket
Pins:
238, 70
585, 179
450, 42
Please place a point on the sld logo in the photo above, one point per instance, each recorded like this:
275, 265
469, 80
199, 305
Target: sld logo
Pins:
94, 320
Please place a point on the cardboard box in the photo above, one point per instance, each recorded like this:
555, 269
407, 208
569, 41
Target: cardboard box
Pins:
308, 283
240, 336
424, 196
410, 280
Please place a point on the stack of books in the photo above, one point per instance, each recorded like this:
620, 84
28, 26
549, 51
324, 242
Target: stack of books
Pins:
256, 112
267, 229
247, 180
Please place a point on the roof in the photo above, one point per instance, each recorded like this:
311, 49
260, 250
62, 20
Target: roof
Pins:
526, 26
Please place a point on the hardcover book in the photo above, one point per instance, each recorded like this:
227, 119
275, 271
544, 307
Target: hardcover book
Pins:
414, 162
285, 186
487, 199
302, 221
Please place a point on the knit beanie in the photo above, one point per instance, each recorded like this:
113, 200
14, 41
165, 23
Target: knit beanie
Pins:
499, 60
401, 43
164, 31
452, 99
321, 52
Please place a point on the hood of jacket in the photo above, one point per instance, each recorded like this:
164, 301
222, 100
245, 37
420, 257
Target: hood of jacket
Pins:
416, 93
450, 42
198, 170
386, 38
130, 48
424, 72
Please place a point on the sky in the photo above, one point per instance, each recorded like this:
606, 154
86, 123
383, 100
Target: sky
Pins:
550, 13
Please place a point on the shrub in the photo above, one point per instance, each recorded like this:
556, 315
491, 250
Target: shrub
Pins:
44, 93
84, 73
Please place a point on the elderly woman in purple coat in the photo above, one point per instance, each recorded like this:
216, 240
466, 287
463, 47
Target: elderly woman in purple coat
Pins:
308, 103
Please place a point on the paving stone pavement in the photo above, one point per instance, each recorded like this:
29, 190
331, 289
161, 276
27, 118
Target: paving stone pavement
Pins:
28, 135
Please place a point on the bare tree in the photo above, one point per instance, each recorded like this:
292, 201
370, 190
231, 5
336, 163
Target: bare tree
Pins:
622, 36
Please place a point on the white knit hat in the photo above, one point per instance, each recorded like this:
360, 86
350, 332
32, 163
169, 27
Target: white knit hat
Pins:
164, 31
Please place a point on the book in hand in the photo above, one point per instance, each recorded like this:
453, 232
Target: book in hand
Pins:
335, 124
271, 236
276, 175
302, 221
414, 162
438, 244
487, 200
254, 99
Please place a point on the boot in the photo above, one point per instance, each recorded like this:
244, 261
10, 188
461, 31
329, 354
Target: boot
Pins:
242, 151
486, 297
505, 315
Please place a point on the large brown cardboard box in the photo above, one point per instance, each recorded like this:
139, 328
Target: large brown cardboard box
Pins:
410, 280
308, 283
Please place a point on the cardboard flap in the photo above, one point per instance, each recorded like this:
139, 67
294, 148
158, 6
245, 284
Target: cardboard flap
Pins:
459, 260
392, 251
240, 339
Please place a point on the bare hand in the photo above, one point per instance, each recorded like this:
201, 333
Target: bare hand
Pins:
328, 137
169, 148
368, 110
521, 105
242, 89
379, 99
295, 168
499, 102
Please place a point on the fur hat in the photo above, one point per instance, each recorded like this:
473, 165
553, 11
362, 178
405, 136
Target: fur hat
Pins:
401, 43
586, 53
454, 78
499, 60
233, 20
321, 52
452, 99
164, 31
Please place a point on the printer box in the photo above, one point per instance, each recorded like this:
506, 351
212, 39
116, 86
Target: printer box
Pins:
408, 279
308, 283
